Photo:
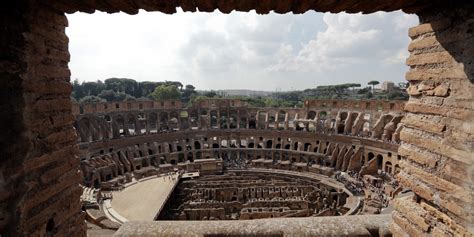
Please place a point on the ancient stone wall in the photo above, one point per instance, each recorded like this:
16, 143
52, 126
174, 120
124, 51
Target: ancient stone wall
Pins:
377, 105
38, 172
39, 175
249, 194
101, 121
108, 160
438, 141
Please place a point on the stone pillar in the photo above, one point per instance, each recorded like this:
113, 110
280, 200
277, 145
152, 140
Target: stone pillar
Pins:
257, 120
227, 119
147, 123
277, 121
438, 137
37, 126
266, 120
218, 119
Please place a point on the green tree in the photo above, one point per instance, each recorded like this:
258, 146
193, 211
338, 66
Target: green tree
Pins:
166, 92
128, 86
188, 91
364, 90
108, 95
77, 90
210, 94
129, 98
91, 98
369, 95
147, 87
92, 88
178, 84
373, 83
111, 95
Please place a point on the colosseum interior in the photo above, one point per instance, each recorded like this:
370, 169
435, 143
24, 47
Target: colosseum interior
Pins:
223, 168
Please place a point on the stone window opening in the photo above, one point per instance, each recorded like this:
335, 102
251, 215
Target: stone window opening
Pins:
432, 15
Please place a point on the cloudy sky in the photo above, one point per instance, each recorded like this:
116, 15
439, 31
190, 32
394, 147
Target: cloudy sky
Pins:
240, 50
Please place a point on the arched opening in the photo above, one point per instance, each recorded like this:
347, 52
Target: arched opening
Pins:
233, 119
370, 156
388, 167
252, 123
190, 157
180, 158
163, 121
213, 118
379, 162
427, 21
131, 122
307, 146
173, 122
194, 119
153, 123
311, 115
269, 144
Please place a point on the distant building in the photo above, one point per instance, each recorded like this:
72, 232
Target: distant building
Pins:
388, 86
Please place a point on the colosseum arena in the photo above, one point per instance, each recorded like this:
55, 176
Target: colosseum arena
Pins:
220, 159
223, 168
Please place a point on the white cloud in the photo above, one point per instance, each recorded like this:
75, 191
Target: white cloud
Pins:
349, 39
240, 50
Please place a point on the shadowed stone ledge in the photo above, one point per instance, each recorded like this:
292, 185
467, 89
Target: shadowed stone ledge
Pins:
368, 225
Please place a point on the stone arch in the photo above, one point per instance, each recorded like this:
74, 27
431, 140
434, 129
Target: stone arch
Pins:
388, 167
379, 162
432, 15
214, 119
194, 119
152, 122
233, 119
142, 123
197, 145
84, 129
269, 144
223, 121
164, 121
311, 115
131, 124
173, 122
252, 123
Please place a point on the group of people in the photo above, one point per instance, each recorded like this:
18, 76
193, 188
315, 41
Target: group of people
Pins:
358, 186
172, 176
235, 162
355, 185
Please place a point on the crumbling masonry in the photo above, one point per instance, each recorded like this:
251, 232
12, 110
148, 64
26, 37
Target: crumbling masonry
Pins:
39, 169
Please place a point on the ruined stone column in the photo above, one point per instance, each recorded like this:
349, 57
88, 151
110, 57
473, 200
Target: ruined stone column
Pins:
438, 137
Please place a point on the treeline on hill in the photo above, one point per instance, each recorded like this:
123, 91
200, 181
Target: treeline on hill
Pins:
342, 91
124, 89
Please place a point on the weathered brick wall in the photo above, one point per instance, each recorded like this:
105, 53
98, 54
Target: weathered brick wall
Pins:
39, 175
39, 171
438, 141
